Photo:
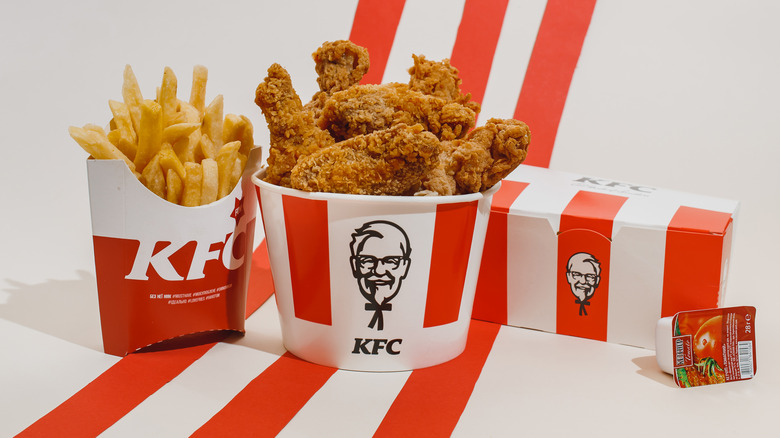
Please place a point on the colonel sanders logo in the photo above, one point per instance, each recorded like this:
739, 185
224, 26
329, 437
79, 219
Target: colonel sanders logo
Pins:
380, 261
583, 272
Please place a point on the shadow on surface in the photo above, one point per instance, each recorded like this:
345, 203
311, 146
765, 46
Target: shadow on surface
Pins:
648, 367
66, 309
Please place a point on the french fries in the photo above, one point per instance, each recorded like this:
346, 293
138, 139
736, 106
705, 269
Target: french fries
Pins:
185, 152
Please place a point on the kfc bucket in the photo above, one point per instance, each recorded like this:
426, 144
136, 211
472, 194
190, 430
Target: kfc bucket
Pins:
373, 283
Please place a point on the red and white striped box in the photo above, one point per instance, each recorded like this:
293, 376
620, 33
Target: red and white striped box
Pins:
600, 259
164, 270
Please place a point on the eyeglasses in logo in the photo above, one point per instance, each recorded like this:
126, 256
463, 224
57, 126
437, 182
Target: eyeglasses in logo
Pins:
380, 261
583, 272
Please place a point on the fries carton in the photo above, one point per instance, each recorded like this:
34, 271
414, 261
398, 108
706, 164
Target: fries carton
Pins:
374, 283
600, 259
164, 270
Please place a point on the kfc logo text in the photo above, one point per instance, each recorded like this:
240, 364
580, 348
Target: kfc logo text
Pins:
615, 184
373, 346
169, 267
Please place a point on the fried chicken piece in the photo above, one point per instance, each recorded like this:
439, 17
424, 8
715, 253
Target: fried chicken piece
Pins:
508, 141
315, 105
339, 65
439, 79
460, 169
293, 130
392, 161
363, 109
486, 156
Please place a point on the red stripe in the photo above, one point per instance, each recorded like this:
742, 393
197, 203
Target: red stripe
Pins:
694, 259
550, 69
586, 227
490, 303
697, 220
433, 399
261, 283
114, 393
374, 27
506, 195
270, 401
592, 211
452, 236
306, 222
475, 44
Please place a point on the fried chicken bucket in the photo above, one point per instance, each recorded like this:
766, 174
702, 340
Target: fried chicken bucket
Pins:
373, 283
375, 203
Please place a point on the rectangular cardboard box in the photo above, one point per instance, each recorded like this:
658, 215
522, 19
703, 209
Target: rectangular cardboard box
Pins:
600, 259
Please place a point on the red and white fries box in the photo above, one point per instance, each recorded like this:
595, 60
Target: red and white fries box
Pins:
600, 259
163, 270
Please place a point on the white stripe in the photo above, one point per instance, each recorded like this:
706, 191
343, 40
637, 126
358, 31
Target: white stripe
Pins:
349, 404
418, 222
636, 286
637, 269
194, 396
532, 254
515, 44
426, 28
38, 372
517, 383
276, 239
497, 387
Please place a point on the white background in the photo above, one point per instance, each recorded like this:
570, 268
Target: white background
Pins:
681, 95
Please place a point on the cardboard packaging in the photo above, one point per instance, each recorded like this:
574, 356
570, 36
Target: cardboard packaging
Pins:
163, 270
374, 283
600, 259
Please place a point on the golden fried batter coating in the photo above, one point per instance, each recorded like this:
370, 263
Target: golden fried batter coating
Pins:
316, 104
363, 109
487, 155
507, 141
389, 139
392, 161
439, 79
461, 165
339, 65
293, 131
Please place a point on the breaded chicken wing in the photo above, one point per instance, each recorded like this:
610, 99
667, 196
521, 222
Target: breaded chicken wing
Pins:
363, 109
487, 155
392, 161
339, 65
293, 130
439, 79
507, 141
389, 139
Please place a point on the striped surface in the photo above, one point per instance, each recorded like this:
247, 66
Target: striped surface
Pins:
248, 391
262, 393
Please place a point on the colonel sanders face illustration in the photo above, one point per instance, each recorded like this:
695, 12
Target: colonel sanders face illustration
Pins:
583, 272
380, 261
